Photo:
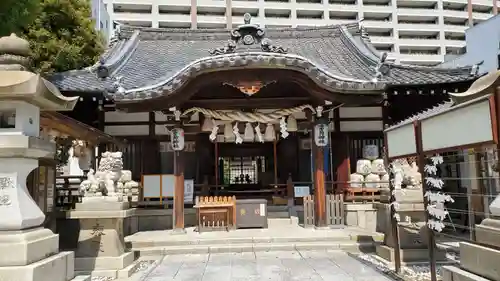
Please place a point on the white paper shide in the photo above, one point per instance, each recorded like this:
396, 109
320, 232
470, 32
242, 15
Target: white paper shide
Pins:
436, 198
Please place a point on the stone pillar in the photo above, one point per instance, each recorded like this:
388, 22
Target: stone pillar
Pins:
412, 238
30, 252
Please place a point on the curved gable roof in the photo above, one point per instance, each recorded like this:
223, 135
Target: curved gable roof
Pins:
153, 62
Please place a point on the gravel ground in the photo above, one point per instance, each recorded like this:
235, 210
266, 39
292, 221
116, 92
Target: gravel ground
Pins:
415, 272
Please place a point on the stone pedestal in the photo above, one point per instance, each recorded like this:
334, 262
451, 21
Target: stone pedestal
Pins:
101, 246
30, 252
478, 262
412, 238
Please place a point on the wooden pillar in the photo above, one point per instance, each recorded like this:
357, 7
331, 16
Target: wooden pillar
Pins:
319, 183
430, 233
178, 214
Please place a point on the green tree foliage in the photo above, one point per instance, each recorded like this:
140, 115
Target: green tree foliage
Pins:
15, 15
63, 37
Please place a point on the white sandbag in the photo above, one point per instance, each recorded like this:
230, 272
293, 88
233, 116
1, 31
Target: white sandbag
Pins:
378, 167
384, 181
363, 167
372, 181
356, 180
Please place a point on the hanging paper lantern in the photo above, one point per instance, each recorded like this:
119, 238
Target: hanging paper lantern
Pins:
292, 124
269, 134
249, 136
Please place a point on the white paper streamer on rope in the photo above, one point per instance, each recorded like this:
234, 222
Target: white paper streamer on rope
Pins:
396, 182
283, 128
435, 197
237, 133
258, 134
251, 117
213, 135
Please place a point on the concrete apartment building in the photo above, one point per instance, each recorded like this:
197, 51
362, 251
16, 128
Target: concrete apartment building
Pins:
482, 45
412, 31
102, 18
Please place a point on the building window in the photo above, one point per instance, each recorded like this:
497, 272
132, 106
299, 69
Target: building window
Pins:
242, 170
498, 62
102, 25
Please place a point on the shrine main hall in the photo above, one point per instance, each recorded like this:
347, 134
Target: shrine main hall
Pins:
249, 110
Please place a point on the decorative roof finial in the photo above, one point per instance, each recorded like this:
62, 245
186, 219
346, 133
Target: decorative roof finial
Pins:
247, 18
14, 53
248, 36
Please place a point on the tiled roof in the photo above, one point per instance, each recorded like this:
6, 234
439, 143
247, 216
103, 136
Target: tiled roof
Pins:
153, 62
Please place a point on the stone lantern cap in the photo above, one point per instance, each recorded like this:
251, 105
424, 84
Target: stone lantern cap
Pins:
19, 84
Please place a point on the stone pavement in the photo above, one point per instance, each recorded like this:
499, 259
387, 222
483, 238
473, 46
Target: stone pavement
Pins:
257, 266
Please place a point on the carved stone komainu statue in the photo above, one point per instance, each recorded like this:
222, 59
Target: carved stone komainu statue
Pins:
109, 182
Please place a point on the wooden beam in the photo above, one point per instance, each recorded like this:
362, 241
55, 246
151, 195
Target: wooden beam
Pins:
247, 103
187, 91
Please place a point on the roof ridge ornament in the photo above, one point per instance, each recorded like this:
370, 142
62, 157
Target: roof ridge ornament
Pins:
248, 34
381, 68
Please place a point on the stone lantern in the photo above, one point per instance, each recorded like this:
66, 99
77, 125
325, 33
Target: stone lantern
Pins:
30, 251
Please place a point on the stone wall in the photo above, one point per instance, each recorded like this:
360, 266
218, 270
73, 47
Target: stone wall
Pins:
361, 215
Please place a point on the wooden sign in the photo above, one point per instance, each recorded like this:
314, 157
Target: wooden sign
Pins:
301, 191
321, 135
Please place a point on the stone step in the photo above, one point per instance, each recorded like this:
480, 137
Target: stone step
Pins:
247, 240
279, 222
453, 273
349, 246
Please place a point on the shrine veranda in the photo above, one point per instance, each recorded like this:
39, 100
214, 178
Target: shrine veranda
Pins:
251, 110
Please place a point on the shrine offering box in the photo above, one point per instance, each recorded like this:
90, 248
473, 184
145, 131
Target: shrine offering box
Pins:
251, 213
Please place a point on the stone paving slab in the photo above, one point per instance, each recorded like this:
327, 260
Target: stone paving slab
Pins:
256, 266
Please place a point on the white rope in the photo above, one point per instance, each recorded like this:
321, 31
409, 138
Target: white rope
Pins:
252, 117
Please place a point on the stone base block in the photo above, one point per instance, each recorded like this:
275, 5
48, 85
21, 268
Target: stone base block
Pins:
453, 273
488, 232
25, 247
407, 255
105, 266
97, 204
59, 267
480, 260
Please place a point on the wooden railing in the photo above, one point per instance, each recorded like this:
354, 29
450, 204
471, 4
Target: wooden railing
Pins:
334, 210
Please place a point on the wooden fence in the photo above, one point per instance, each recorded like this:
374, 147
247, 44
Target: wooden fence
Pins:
334, 210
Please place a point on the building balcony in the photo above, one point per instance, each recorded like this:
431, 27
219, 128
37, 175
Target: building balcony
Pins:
382, 40
417, 42
180, 18
309, 6
343, 7
132, 16
378, 24
454, 43
418, 27
418, 12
